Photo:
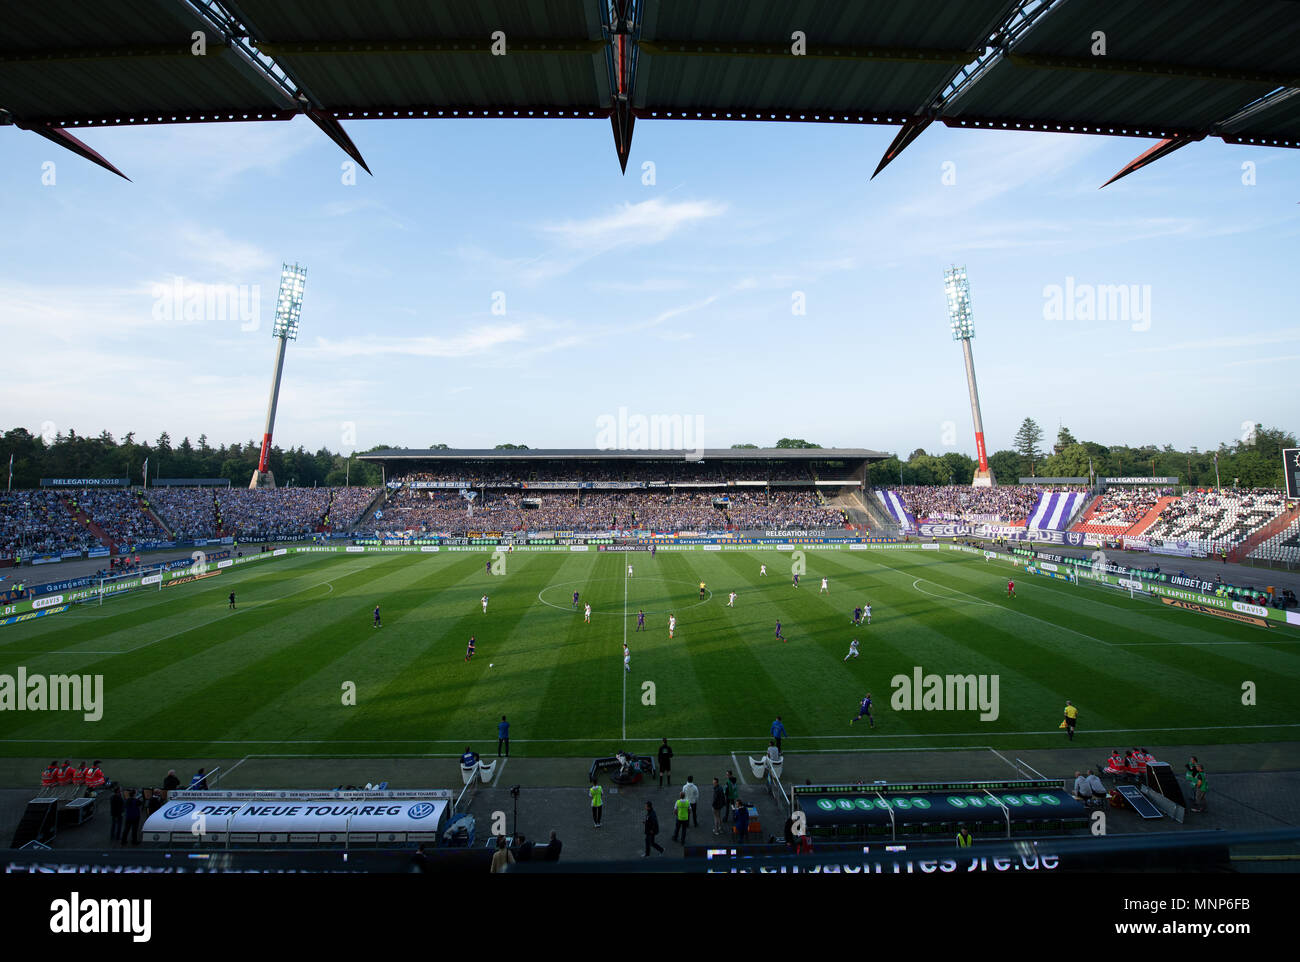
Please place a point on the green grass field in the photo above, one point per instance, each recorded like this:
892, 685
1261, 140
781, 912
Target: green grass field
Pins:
187, 678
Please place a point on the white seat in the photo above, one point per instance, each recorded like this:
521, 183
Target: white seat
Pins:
777, 765
758, 766
467, 772
486, 770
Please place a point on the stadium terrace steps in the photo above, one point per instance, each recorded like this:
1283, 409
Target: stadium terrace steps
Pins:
1148, 519
1055, 509
851, 505
156, 518
84, 519
1087, 526
1279, 524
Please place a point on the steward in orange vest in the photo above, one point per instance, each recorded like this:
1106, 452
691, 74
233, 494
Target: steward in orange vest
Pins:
50, 777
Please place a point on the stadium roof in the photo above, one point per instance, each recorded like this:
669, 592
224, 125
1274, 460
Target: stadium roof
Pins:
579, 454
1174, 71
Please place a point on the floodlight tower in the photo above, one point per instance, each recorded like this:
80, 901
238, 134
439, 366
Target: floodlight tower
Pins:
957, 287
288, 310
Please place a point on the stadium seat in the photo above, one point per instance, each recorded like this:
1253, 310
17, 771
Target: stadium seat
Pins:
486, 770
758, 766
777, 766
467, 772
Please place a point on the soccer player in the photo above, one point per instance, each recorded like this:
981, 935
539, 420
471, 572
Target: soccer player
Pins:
778, 633
1011, 588
627, 658
232, 601
701, 590
469, 650
853, 650
762, 571
629, 571
487, 570
575, 601
866, 613
796, 581
377, 623
672, 625
731, 600
825, 588
586, 613
640, 620
484, 599
857, 615
864, 711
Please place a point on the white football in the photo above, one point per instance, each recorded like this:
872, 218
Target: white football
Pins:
489, 664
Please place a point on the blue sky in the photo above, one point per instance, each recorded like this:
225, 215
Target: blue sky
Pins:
671, 298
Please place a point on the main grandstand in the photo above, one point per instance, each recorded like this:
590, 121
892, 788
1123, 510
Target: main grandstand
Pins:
455, 492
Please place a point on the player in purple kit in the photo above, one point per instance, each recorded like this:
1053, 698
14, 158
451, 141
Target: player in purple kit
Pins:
377, 623
796, 581
857, 615
487, 568
469, 650
778, 633
864, 711
640, 620
575, 599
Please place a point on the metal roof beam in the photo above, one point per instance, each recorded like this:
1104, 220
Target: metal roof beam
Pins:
1011, 23
1252, 112
1151, 69
442, 45
661, 48
66, 140
1150, 156
150, 51
240, 31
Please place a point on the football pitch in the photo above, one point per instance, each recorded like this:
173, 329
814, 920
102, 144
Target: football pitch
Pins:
186, 677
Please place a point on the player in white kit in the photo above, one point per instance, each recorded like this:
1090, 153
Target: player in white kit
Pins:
629, 571
853, 650
484, 604
672, 625
586, 614
825, 589
762, 570
731, 600
866, 610
627, 658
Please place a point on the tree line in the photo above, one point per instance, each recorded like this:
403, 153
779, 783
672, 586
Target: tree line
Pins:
1252, 461
73, 455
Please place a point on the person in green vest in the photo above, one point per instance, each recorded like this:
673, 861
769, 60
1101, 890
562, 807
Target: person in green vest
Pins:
964, 837
597, 803
1200, 784
682, 809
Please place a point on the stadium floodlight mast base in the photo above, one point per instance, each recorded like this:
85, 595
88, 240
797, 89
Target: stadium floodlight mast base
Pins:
288, 311
957, 287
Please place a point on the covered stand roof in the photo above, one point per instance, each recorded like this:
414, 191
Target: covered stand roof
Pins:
1172, 71
595, 454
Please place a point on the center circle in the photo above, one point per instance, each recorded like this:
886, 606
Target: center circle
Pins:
568, 586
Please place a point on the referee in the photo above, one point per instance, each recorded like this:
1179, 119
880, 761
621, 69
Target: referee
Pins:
1071, 718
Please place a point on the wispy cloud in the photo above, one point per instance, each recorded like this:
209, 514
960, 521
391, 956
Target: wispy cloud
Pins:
477, 341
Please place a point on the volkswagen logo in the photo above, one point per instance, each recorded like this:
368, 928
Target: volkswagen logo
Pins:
420, 810
177, 811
